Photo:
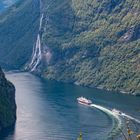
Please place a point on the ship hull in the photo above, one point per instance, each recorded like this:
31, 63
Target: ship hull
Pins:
83, 103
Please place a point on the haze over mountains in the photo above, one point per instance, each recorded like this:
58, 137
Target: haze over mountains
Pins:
6, 3
93, 43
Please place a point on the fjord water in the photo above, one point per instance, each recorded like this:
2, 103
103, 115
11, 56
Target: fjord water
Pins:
48, 110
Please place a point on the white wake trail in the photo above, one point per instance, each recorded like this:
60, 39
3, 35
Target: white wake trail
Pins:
117, 123
117, 119
130, 117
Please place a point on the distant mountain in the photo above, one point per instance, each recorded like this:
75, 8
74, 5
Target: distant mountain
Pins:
7, 103
90, 43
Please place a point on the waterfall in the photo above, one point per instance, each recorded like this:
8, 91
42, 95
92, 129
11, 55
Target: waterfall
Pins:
37, 51
36, 55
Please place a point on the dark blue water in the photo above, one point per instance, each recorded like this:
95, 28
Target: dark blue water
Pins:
48, 110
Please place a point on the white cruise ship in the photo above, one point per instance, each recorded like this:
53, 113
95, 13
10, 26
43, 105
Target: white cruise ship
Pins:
84, 101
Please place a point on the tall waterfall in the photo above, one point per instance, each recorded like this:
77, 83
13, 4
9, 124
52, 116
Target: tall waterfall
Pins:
37, 51
41, 54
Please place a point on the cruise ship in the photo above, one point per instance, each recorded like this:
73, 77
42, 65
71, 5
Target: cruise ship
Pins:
84, 101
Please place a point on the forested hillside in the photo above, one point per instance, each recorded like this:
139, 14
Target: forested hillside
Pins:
93, 43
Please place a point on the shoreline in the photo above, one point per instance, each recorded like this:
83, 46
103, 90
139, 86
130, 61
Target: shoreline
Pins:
78, 84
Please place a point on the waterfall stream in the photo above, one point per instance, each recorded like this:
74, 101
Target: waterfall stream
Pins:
37, 54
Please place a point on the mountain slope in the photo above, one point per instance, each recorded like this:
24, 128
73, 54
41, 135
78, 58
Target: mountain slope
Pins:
7, 102
18, 29
94, 43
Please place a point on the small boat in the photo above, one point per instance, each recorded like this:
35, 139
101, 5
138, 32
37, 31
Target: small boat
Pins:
116, 111
84, 101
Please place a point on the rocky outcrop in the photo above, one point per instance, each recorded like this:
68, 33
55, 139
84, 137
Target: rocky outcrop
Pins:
7, 103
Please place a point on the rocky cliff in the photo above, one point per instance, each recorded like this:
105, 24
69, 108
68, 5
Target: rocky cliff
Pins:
7, 102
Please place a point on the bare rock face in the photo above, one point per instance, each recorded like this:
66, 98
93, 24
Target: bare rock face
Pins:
7, 102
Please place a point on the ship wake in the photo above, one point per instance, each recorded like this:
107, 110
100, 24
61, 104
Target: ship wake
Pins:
116, 118
130, 118
117, 122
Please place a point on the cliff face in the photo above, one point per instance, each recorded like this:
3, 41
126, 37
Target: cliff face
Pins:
7, 102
